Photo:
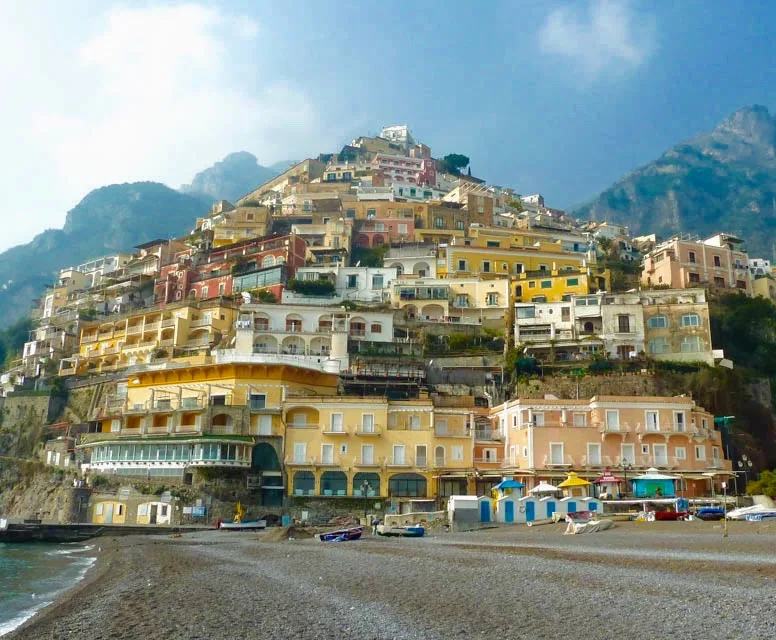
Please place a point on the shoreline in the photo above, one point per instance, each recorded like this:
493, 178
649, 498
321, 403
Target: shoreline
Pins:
93, 574
247, 585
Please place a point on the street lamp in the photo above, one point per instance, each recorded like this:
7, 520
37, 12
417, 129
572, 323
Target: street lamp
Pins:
625, 466
745, 465
724, 493
365, 486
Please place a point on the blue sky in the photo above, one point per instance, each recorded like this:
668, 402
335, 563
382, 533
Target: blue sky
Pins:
560, 98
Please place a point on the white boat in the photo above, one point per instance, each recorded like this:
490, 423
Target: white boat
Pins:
244, 526
756, 512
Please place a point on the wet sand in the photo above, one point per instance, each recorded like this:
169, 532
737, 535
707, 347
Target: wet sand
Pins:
656, 580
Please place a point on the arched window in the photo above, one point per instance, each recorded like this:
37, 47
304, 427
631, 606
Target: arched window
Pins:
280, 260
268, 261
690, 320
304, 483
439, 456
658, 321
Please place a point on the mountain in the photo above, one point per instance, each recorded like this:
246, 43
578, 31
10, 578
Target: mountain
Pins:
109, 219
722, 180
233, 177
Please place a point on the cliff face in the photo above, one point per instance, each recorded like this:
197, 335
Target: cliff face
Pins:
231, 178
722, 180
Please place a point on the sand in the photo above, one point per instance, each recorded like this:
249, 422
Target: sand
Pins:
645, 580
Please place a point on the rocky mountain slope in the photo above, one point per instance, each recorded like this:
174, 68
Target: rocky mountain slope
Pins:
108, 219
722, 180
233, 177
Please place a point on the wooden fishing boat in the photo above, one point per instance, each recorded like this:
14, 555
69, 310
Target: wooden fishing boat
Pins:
341, 535
407, 531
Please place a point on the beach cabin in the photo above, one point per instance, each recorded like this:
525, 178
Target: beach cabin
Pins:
576, 493
548, 497
154, 513
109, 512
487, 508
507, 494
463, 512
607, 486
654, 484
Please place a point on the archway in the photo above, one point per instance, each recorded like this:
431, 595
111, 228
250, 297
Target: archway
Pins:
334, 483
304, 483
223, 424
374, 484
404, 485
266, 463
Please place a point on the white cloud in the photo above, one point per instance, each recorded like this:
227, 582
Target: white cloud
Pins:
159, 101
600, 38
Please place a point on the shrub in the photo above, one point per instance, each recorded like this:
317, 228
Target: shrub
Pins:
311, 287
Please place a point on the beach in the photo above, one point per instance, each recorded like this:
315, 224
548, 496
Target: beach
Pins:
657, 580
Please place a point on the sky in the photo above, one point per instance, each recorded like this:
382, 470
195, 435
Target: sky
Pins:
552, 97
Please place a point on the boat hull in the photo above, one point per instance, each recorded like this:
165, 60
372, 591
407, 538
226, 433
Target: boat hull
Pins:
243, 526
401, 532
342, 535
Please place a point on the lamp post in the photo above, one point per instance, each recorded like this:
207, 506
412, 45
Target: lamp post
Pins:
745, 465
724, 507
365, 486
625, 466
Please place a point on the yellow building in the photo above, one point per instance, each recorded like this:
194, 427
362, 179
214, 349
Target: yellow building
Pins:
555, 286
178, 330
372, 446
471, 301
460, 260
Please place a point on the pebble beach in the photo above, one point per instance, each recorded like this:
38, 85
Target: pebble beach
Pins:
638, 580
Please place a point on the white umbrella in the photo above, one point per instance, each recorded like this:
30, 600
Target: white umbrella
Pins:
544, 487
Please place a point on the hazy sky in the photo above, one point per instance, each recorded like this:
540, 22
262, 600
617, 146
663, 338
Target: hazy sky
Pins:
554, 97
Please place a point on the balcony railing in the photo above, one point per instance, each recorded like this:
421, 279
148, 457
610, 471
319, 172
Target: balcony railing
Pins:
369, 462
489, 459
361, 430
405, 461
558, 461
451, 432
154, 326
302, 425
134, 330
488, 434
300, 462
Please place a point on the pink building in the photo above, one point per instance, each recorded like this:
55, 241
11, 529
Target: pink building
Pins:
545, 439
418, 169
375, 232
683, 262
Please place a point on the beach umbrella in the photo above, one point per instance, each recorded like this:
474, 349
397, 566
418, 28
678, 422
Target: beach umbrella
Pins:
573, 480
544, 487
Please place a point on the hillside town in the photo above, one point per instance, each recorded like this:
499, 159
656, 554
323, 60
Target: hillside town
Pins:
356, 331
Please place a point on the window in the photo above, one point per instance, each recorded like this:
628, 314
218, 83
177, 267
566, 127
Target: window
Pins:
580, 420
680, 453
462, 266
700, 452
367, 454
350, 213
612, 419
546, 284
659, 345
376, 327
719, 282
539, 299
398, 454
439, 223
658, 321
414, 423
715, 453
565, 314
537, 419
459, 225
456, 453
679, 423
258, 401
694, 277
652, 419
265, 425
493, 243
623, 324
691, 344
336, 423
542, 267
572, 282
593, 453
519, 268
370, 213
526, 312
556, 453
402, 226
717, 261
421, 455
740, 284
327, 454
461, 301
486, 266
221, 288
492, 299
352, 282
377, 281
690, 320
628, 453
692, 256
300, 452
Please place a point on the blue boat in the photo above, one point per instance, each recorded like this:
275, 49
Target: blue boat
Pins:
342, 535
408, 531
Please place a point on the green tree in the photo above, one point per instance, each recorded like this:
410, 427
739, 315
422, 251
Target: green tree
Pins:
453, 163
765, 485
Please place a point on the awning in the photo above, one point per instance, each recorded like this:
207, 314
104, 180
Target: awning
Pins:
573, 480
509, 484
607, 478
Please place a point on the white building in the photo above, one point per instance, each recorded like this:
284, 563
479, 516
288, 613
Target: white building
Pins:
400, 134
94, 270
418, 260
581, 327
760, 267
358, 284
304, 332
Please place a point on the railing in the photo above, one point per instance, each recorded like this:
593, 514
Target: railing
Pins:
134, 329
302, 425
452, 432
223, 429
330, 430
299, 462
405, 427
489, 460
372, 462
87, 339
69, 371
158, 429
154, 326
488, 434
201, 322
406, 461
374, 430
202, 342
167, 343
555, 461
169, 322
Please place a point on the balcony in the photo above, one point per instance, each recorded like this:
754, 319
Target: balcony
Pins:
372, 463
134, 330
302, 425
557, 461
401, 462
200, 322
330, 430
366, 431
451, 432
88, 339
169, 322
159, 429
488, 434
300, 462
154, 326
497, 459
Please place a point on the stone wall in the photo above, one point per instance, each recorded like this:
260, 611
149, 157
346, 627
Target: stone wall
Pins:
630, 384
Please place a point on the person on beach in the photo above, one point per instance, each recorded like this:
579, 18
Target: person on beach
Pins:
375, 523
